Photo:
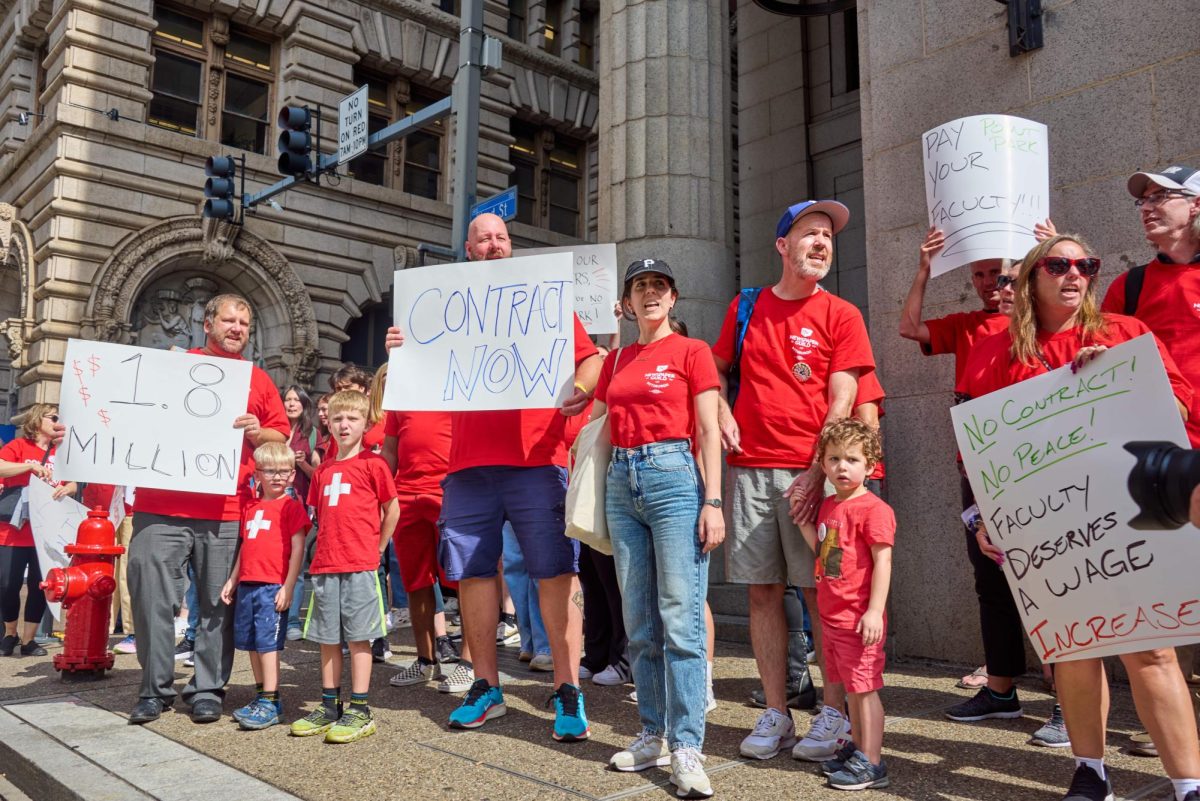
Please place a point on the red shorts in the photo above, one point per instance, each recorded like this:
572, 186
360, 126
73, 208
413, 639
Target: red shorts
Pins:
416, 542
847, 661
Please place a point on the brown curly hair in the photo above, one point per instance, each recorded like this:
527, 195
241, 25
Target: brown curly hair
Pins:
851, 431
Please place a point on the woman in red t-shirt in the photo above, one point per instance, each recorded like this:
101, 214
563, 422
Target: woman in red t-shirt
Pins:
29, 455
1056, 320
664, 519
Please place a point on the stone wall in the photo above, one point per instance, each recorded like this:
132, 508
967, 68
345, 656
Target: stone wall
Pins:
1115, 83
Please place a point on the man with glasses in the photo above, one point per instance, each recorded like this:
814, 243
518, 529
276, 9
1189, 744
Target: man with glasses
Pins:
1165, 293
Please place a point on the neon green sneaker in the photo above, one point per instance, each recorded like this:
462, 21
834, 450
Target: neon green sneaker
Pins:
352, 725
316, 722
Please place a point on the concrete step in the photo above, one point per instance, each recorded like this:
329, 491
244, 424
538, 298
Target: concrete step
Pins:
728, 599
732, 628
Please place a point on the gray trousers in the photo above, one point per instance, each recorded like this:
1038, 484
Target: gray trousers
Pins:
158, 556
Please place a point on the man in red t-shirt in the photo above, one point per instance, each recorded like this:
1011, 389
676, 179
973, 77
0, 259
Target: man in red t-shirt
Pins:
802, 355
1169, 300
171, 529
511, 465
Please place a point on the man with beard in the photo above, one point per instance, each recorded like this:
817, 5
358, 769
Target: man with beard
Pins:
171, 529
511, 465
798, 368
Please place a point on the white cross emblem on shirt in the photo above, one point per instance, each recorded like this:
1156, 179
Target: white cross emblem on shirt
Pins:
335, 489
257, 524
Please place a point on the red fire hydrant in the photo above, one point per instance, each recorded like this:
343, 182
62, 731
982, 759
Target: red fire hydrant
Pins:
85, 589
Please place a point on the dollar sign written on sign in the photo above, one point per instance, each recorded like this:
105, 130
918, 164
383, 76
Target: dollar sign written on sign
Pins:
104, 418
94, 363
84, 395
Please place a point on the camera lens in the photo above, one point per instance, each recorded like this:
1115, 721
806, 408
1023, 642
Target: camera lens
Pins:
1161, 483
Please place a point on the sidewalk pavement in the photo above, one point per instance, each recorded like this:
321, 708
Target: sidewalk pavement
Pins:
78, 733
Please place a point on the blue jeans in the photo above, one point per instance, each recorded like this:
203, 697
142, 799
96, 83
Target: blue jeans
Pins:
653, 501
399, 596
192, 599
524, 592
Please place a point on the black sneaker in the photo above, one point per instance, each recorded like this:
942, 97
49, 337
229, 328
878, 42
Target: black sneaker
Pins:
31, 648
9, 644
838, 760
446, 652
797, 697
380, 650
1088, 786
184, 650
984, 706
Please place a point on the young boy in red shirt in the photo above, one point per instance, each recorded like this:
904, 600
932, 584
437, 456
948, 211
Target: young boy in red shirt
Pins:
263, 575
355, 501
853, 539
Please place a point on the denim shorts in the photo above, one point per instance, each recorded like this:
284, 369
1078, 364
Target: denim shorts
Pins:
256, 625
479, 500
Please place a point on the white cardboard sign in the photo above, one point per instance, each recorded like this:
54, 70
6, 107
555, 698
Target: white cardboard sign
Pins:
1046, 460
142, 417
597, 287
55, 525
987, 182
483, 335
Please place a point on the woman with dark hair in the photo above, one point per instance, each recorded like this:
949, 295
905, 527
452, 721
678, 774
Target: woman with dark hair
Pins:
26, 456
302, 415
1055, 321
664, 516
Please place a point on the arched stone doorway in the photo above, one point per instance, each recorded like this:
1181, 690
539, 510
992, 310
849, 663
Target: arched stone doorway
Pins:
148, 291
16, 306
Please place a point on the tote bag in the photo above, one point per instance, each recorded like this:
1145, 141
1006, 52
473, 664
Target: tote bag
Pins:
585, 488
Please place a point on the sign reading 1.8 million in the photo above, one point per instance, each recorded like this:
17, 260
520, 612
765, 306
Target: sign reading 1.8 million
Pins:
142, 417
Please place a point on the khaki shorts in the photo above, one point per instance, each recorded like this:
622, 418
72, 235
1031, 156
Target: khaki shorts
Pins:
345, 607
763, 545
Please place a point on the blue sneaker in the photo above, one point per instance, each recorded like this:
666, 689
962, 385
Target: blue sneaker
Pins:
570, 721
483, 702
262, 714
243, 711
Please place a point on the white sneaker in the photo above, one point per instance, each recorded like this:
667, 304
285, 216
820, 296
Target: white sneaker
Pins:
415, 673
830, 730
584, 673
647, 751
507, 634
773, 732
542, 662
181, 627
687, 774
459, 681
633, 696
398, 618
613, 676
710, 701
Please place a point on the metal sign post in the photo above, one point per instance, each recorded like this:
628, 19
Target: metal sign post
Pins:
466, 120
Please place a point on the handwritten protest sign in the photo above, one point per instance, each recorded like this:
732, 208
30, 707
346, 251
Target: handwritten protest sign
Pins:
142, 417
1046, 460
596, 283
483, 335
987, 182
54, 524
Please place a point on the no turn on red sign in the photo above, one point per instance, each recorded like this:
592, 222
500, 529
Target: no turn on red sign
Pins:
352, 125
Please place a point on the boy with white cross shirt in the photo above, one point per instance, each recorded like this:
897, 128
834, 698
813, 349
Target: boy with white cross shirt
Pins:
355, 501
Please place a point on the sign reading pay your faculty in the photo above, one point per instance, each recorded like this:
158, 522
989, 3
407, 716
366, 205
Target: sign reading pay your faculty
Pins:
1047, 463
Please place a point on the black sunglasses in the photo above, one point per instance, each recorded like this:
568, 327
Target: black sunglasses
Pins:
1060, 265
1005, 280
53, 417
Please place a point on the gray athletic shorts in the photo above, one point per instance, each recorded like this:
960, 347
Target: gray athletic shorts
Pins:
763, 545
345, 607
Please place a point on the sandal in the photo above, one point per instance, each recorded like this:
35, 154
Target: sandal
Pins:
974, 681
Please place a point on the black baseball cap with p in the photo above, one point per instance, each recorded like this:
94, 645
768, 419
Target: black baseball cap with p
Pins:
837, 213
642, 266
1176, 177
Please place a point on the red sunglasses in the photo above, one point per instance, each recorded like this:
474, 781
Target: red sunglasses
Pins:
1059, 265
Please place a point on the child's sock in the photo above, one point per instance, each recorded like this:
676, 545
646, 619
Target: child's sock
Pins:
358, 702
1095, 764
1184, 786
331, 700
258, 690
273, 696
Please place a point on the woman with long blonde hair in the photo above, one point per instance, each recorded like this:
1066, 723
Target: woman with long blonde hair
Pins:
1056, 320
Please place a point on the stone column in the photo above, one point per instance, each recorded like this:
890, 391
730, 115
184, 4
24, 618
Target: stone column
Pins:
665, 181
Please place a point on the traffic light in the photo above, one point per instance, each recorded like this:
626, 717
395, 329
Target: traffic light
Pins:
219, 188
296, 141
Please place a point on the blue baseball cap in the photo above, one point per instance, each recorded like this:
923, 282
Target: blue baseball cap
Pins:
839, 214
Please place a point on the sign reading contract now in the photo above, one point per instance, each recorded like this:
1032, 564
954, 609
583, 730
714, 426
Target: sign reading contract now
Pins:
352, 125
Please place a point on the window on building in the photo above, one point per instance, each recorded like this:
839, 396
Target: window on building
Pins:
552, 27
516, 19
450, 6
420, 155
548, 171
39, 84
184, 51
850, 32
587, 36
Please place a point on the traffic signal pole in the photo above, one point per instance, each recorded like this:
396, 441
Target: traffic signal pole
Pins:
466, 120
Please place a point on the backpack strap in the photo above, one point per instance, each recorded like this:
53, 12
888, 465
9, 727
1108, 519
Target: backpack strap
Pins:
1133, 288
746, 300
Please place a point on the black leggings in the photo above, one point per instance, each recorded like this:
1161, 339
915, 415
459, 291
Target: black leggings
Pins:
14, 559
999, 620
603, 623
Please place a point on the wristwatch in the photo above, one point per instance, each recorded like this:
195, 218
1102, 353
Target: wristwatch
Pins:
713, 502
